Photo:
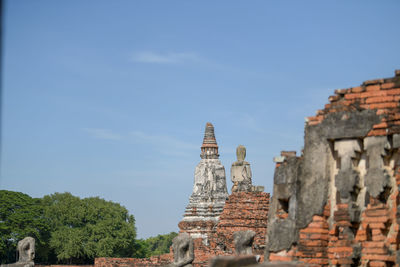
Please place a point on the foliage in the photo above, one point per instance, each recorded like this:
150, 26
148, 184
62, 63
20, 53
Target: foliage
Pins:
71, 230
141, 249
82, 229
21, 216
160, 244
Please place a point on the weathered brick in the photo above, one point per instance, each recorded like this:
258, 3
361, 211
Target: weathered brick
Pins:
381, 251
375, 81
377, 264
395, 91
375, 87
376, 93
357, 89
379, 99
387, 85
352, 96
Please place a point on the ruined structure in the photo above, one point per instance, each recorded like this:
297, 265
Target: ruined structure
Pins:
212, 217
244, 242
338, 203
209, 191
26, 253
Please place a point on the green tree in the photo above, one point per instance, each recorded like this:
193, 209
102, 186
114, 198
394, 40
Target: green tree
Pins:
160, 244
82, 229
21, 216
141, 249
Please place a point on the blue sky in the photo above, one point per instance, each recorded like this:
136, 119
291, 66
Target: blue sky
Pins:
110, 98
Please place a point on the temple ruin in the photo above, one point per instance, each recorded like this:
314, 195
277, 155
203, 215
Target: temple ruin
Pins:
336, 204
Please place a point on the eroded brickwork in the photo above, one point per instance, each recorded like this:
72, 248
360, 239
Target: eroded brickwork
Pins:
242, 211
337, 204
133, 262
350, 172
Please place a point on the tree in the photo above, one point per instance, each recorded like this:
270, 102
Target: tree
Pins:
160, 244
82, 229
141, 249
21, 216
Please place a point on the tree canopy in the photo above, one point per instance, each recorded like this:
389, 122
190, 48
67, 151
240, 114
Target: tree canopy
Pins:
67, 229
83, 229
71, 230
160, 244
21, 216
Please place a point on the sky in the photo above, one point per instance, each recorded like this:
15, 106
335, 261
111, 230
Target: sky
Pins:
111, 98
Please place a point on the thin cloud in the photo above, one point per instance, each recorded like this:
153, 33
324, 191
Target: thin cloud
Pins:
166, 58
105, 134
162, 141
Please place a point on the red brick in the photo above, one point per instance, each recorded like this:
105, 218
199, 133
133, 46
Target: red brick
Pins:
376, 93
384, 105
375, 81
379, 257
377, 225
392, 91
274, 257
316, 261
319, 236
381, 251
380, 125
377, 132
379, 99
352, 96
340, 249
377, 264
315, 230
387, 85
372, 87
376, 219
357, 89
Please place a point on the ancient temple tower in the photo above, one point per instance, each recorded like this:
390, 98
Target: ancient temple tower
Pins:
209, 190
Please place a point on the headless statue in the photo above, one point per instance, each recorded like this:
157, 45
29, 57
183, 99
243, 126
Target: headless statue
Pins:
182, 246
241, 172
243, 242
26, 252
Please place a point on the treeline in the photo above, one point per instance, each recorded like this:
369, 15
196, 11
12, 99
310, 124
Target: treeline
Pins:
71, 230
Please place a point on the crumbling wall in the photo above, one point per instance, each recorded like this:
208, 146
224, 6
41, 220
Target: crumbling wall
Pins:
161, 260
242, 211
337, 204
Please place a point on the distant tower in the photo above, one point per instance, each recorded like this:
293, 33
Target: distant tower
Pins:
209, 190
209, 148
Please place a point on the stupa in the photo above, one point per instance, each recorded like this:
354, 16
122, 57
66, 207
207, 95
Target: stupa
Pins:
209, 190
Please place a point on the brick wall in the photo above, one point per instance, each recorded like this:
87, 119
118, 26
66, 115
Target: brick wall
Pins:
360, 230
382, 95
133, 262
242, 211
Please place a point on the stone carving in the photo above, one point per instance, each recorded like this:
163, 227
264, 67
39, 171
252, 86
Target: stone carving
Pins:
209, 190
182, 246
348, 177
26, 252
243, 242
241, 171
377, 177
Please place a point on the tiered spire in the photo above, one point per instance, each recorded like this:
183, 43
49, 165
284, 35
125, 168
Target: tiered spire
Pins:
209, 148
